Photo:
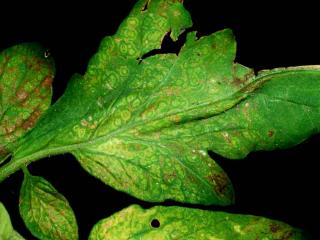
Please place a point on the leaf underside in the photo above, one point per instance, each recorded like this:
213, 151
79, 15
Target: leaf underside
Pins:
163, 223
25, 92
46, 212
143, 125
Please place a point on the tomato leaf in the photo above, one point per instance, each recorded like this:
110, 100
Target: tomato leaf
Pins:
282, 112
143, 123
25, 92
46, 212
6, 229
112, 118
187, 223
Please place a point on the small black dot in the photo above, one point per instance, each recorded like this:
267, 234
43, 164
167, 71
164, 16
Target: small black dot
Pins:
155, 223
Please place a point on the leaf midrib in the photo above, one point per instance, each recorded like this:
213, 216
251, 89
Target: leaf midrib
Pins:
73, 147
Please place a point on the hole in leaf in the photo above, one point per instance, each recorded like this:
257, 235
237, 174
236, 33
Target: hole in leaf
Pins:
168, 45
145, 7
217, 157
155, 223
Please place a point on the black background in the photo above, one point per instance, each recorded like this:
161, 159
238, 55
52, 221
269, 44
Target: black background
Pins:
281, 184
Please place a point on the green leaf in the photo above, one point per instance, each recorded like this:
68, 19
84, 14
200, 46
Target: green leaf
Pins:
5, 226
112, 118
46, 212
6, 230
143, 125
186, 223
283, 112
25, 91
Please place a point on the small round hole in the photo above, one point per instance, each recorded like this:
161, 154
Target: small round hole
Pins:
155, 223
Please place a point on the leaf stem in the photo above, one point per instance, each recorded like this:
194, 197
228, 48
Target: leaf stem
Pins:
25, 170
16, 164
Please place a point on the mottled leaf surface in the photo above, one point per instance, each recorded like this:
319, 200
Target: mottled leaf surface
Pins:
165, 223
281, 113
25, 91
46, 212
6, 230
112, 118
143, 125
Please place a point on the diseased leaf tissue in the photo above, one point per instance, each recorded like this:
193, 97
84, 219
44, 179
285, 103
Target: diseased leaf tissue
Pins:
25, 92
177, 223
143, 125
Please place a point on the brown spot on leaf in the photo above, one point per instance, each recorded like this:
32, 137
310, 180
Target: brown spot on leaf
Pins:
238, 81
30, 122
163, 6
274, 227
175, 118
163, 10
47, 82
37, 91
270, 133
237, 133
3, 151
84, 122
93, 125
36, 64
220, 181
149, 109
12, 69
286, 235
9, 129
21, 95
169, 176
192, 178
172, 91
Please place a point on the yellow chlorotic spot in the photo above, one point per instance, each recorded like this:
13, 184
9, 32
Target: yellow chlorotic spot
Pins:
237, 228
84, 122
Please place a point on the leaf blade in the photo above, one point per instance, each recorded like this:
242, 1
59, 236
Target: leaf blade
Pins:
105, 115
6, 229
283, 112
167, 104
25, 91
186, 223
156, 175
46, 212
